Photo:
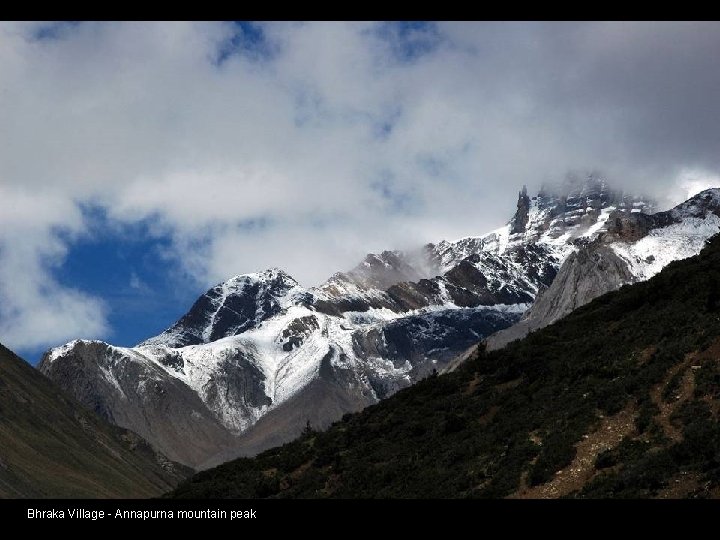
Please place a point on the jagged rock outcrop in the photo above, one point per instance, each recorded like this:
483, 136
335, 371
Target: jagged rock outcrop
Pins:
586, 274
520, 219
634, 247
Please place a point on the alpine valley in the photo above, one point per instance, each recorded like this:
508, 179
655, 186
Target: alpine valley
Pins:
259, 357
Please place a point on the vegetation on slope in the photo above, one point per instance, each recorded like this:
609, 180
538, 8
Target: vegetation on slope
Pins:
619, 399
51, 446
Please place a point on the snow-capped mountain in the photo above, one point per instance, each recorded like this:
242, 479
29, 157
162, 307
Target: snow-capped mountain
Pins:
181, 397
633, 247
508, 265
230, 308
259, 356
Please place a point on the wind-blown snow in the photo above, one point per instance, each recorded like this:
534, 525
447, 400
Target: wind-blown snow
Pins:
61, 351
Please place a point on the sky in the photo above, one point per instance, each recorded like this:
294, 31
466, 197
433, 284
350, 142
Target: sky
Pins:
141, 163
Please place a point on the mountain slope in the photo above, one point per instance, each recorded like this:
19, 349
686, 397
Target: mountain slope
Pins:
133, 391
194, 402
50, 446
619, 399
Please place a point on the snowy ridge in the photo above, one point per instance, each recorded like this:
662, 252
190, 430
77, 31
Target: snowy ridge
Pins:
676, 234
661, 246
698, 205
285, 373
240, 303
559, 220
545, 228
58, 352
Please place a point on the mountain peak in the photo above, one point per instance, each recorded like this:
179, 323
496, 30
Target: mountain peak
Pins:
376, 271
232, 307
520, 219
699, 204
269, 274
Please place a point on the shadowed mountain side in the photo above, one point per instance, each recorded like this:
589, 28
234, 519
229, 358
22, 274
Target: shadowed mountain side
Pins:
51, 446
142, 398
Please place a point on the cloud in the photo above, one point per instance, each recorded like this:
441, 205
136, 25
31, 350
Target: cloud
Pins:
691, 182
36, 310
306, 145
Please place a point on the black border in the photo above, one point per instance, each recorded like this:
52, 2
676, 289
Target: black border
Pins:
617, 517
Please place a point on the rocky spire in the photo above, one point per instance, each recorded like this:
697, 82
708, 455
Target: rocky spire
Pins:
520, 219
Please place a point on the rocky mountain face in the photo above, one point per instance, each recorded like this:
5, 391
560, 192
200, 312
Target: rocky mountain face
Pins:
127, 388
52, 446
230, 308
259, 356
518, 224
634, 247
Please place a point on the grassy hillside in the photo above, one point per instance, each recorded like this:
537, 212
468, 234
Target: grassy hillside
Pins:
50, 446
619, 399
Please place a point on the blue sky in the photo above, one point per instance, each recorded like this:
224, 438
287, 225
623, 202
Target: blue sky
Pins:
144, 289
141, 163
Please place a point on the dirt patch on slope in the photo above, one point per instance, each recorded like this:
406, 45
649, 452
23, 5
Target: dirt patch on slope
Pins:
685, 392
607, 436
